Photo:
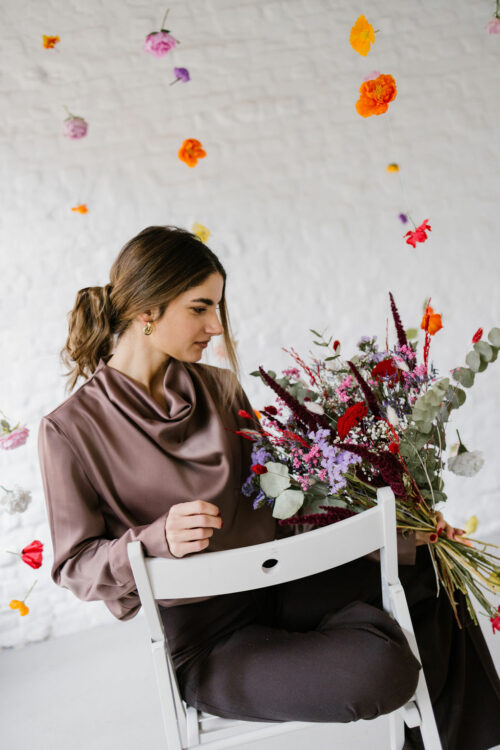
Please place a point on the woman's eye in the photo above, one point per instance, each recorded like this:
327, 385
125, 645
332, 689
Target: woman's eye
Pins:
199, 310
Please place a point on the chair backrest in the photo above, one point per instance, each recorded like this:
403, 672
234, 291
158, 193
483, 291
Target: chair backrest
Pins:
270, 563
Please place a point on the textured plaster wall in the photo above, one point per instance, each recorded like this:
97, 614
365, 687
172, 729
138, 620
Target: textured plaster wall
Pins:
294, 190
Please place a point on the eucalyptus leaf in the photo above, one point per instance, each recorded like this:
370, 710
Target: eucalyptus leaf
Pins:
494, 337
411, 333
483, 365
288, 503
473, 361
464, 376
484, 350
276, 480
319, 335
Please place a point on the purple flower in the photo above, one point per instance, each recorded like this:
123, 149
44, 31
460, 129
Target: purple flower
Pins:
493, 26
403, 218
181, 74
75, 127
158, 43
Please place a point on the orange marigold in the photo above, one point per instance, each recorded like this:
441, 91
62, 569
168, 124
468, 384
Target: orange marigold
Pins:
49, 42
376, 95
81, 209
190, 151
362, 36
431, 322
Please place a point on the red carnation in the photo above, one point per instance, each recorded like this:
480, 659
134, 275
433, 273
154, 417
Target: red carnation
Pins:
350, 418
32, 554
259, 469
385, 369
477, 336
245, 414
272, 410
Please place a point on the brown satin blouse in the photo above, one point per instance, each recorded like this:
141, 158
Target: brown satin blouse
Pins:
113, 463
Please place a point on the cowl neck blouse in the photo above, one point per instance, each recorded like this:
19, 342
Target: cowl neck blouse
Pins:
114, 461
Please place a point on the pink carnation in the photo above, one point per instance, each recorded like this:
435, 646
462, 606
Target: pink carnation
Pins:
75, 127
159, 43
493, 26
14, 439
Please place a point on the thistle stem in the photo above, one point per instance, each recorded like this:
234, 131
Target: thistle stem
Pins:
164, 19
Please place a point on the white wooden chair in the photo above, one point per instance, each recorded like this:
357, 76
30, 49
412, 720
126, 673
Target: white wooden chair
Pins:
243, 569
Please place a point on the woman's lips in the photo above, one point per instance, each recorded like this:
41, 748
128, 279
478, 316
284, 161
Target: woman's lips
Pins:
203, 344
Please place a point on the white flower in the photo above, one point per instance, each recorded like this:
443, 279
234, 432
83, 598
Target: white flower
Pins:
392, 416
314, 407
466, 464
16, 500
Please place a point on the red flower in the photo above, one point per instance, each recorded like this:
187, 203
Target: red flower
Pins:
477, 336
245, 414
259, 469
336, 345
385, 369
32, 554
244, 434
394, 447
495, 621
272, 410
350, 418
419, 235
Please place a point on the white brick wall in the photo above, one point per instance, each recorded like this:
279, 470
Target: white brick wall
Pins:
294, 191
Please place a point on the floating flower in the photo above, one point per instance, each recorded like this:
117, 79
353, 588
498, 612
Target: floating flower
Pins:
190, 151
477, 336
362, 36
75, 127
12, 437
16, 500
81, 209
419, 235
372, 75
32, 554
181, 74
403, 218
158, 43
466, 464
49, 42
431, 322
392, 167
200, 231
376, 95
493, 26
20, 605
350, 418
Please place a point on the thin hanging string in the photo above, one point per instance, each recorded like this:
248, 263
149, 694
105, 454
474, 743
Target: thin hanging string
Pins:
400, 176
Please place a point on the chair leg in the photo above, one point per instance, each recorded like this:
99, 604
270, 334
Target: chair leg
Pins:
396, 730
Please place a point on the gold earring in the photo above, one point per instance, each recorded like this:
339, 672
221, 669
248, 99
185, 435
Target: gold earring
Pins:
148, 328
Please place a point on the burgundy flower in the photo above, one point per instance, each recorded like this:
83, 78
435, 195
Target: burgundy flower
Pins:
272, 410
367, 391
353, 415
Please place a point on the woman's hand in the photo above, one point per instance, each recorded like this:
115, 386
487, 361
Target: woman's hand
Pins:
423, 537
189, 526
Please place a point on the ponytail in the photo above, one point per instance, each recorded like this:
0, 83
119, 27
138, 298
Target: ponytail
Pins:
90, 333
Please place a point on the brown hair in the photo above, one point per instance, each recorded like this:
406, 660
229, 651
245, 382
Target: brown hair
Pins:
151, 270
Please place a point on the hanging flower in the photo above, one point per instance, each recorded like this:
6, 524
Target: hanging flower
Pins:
20, 605
190, 151
403, 218
477, 336
419, 235
81, 209
376, 95
49, 42
181, 74
75, 127
431, 322
392, 167
350, 418
362, 36
200, 231
158, 43
32, 554
12, 437
16, 500
466, 464
493, 26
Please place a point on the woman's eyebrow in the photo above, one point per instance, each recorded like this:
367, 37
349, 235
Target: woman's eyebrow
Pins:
204, 300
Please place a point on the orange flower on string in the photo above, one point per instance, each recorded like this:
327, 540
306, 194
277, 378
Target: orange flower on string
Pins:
21, 606
81, 209
190, 151
431, 322
362, 36
49, 42
376, 95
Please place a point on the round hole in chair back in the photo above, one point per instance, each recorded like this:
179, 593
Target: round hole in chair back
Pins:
269, 565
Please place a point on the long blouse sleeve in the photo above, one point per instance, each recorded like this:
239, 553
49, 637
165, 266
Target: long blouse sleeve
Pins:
86, 561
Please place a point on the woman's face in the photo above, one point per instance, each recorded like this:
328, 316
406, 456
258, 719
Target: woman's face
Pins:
190, 321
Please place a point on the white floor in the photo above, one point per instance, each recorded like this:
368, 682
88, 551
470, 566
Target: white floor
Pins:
96, 690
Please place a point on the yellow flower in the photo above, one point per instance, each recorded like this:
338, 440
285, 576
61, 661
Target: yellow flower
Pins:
471, 525
362, 36
200, 231
21, 606
49, 42
494, 581
392, 167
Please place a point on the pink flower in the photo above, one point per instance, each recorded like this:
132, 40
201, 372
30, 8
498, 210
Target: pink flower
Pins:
372, 75
14, 439
493, 26
75, 127
159, 43
419, 235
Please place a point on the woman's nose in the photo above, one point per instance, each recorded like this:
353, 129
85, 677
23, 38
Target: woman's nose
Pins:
215, 327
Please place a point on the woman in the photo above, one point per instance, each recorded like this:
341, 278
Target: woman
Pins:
145, 450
